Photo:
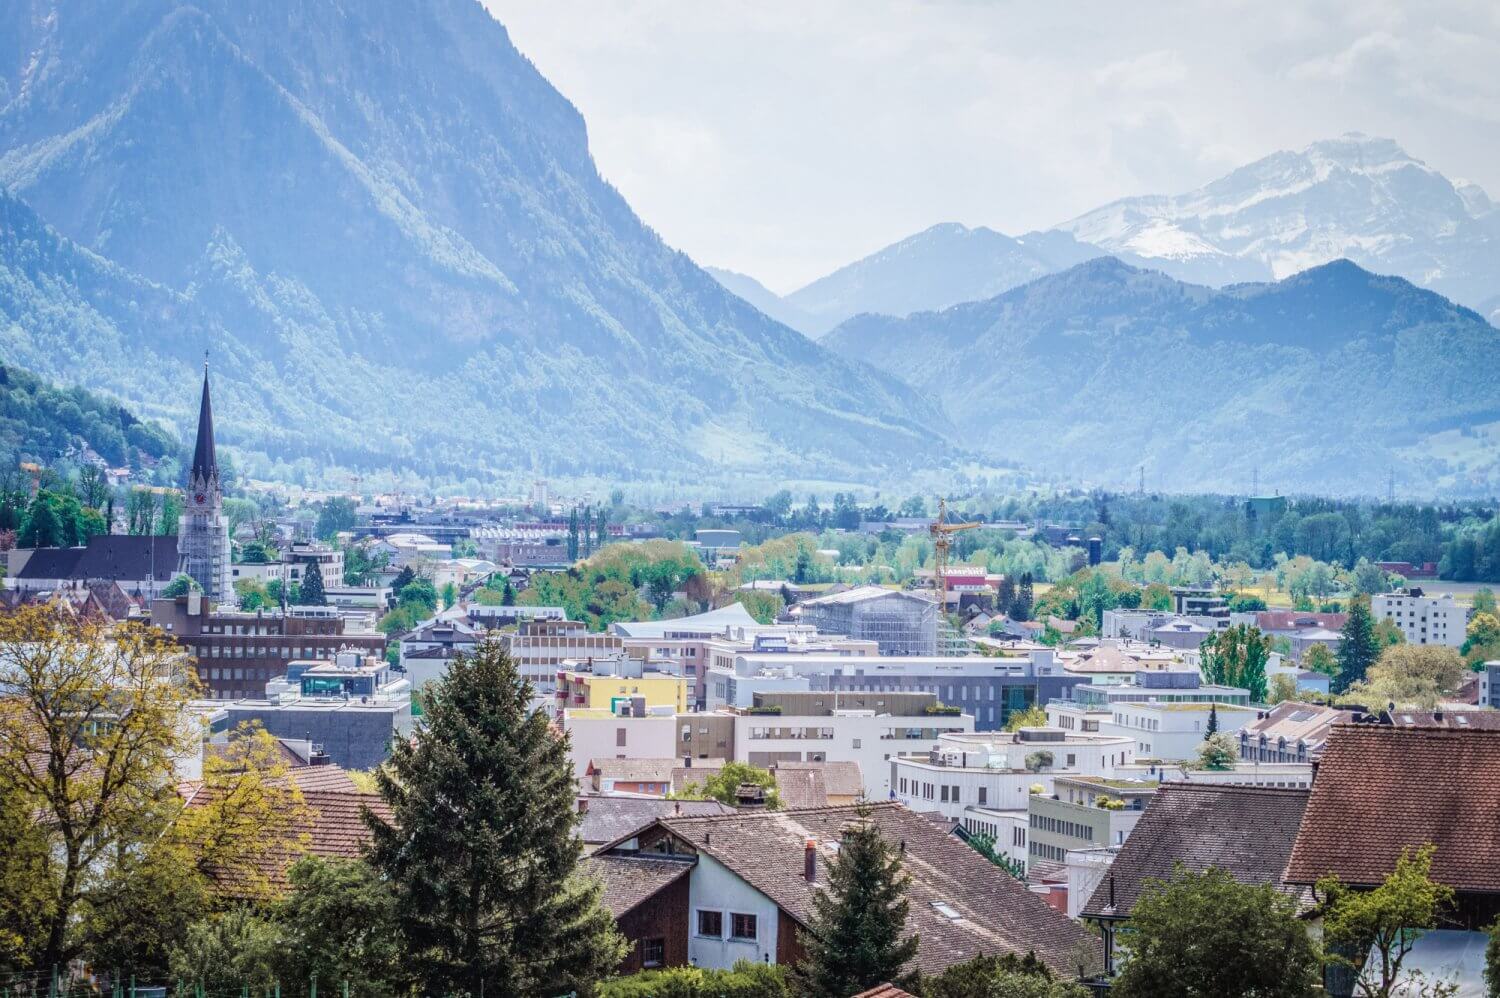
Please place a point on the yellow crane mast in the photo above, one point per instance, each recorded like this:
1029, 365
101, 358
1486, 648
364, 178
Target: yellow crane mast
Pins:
942, 541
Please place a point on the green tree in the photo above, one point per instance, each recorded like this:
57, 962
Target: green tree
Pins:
1385, 922
1237, 656
339, 925
1218, 752
449, 594
1369, 578
43, 526
723, 785
573, 534
1031, 717
481, 853
334, 517
1484, 601
857, 934
1212, 728
1318, 658
181, 585
1357, 649
1411, 676
1025, 599
763, 606
1204, 933
508, 595
228, 951
985, 846
312, 586
1005, 976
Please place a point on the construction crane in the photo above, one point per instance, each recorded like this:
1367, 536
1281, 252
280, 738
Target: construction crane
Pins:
942, 541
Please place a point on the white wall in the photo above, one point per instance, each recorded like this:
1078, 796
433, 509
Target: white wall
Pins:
712, 886
1172, 734
855, 737
1003, 789
1425, 620
597, 737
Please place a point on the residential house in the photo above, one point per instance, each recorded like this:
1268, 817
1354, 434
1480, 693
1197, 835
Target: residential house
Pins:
1423, 619
751, 877
1289, 732
1246, 831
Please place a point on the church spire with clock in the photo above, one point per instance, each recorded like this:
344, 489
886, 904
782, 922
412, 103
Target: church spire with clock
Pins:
203, 530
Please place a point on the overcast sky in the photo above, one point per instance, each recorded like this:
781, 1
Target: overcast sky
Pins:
784, 138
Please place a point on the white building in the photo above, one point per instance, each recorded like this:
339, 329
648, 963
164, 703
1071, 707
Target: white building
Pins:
601, 734
1171, 732
1425, 620
868, 737
997, 770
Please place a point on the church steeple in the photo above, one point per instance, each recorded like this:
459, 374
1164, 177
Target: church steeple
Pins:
205, 462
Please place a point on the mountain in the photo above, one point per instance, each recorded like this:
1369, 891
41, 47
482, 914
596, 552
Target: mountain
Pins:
41, 422
933, 269
1322, 381
1354, 197
762, 297
387, 227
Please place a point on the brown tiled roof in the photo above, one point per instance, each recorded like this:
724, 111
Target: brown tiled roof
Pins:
1305, 722
323, 778
801, 788
333, 829
995, 912
840, 779
1246, 831
609, 819
1382, 789
885, 991
629, 880
653, 770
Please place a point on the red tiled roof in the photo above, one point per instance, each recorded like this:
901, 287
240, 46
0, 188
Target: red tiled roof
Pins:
1382, 789
885, 991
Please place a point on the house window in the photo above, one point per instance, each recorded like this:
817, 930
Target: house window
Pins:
741, 926
653, 952
619, 737
711, 924
984, 795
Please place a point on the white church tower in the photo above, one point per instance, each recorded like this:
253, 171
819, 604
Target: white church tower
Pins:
203, 530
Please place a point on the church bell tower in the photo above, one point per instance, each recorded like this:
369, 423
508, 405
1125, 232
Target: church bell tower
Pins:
203, 530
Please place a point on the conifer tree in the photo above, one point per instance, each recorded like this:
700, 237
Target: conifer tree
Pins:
573, 534
1213, 720
481, 852
857, 936
1358, 650
312, 586
1024, 599
601, 530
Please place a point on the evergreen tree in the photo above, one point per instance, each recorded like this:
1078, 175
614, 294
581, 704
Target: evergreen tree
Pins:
1213, 720
857, 936
508, 594
573, 534
585, 533
42, 527
1006, 597
601, 529
481, 853
1021, 609
403, 578
1358, 650
312, 586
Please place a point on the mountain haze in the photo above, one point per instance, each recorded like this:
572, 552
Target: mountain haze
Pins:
386, 226
1322, 381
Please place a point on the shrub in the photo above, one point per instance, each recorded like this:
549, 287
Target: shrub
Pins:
743, 980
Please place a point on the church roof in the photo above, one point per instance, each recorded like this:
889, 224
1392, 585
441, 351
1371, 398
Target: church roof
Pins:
205, 461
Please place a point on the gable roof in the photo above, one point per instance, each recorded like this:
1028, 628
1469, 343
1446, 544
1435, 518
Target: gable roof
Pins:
885, 991
1246, 831
127, 558
1381, 789
841, 778
630, 880
991, 911
1308, 723
51, 563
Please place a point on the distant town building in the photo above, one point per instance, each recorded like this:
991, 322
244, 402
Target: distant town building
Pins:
238, 653
1425, 620
203, 529
900, 623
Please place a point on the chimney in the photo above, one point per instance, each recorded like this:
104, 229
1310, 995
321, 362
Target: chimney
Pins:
810, 861
677, 808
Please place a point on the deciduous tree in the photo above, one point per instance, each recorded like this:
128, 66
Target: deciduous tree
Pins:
1385, 922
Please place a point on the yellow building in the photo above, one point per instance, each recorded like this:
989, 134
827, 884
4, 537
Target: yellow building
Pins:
589, 690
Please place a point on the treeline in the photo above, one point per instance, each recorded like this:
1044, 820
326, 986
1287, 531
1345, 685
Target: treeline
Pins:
1461, 538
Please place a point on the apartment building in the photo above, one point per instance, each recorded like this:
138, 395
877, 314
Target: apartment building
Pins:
541, 648
1425, 620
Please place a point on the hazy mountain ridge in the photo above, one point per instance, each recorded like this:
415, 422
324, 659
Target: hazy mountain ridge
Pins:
1355, 197
1322, 381
417, 264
